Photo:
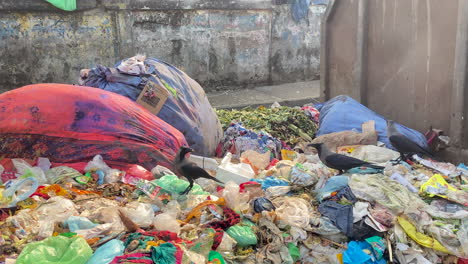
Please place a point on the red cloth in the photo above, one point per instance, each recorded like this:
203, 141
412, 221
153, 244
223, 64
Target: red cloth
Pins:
68, 124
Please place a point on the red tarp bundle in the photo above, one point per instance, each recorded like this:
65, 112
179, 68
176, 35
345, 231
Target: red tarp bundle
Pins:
68, 124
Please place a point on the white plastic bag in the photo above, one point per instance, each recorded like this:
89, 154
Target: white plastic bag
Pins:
166, 222
237, 201
292, 211
141, 214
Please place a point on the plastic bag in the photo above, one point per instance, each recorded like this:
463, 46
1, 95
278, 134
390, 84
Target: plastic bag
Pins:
227, 244
56, 210
166, 222
261, 204
9, 196
59, 250
75, 223
258, 160
333, 184
187, 108
243, 235
301, 177
26, 170
107, 252
140, 213
174, 185
234, 199
140, 172
420, 238
98, 164
343, 113
292, 211
277, 191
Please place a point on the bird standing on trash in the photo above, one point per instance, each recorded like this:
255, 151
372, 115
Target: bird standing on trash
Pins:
340, 162
404, 145
189, 169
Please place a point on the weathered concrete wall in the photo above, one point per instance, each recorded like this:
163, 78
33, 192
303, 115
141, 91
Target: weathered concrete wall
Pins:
219, 43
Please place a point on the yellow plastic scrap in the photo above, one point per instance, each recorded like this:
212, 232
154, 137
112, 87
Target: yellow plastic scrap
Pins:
196, 212
420, 238
288, 154
436, 185
150, 244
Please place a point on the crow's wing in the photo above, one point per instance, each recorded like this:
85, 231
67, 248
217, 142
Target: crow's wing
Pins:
406, 145
342, 162
194, 172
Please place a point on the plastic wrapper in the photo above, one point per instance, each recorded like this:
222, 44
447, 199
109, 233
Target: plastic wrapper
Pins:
259, 160
437, 185
243, 235
446, 209
56, 210
442, 167
403, 181
140, 172
59, 250
236, 200
292, 211
300, 176
106, 253
61, 174
166, 222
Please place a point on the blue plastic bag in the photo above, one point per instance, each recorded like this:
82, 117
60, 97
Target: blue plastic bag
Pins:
270, 182
187, 108
333, 184
76, 223
344, 113
107, 252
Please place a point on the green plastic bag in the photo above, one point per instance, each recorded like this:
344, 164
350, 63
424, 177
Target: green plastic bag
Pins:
243, 235
294, 252
67, 5
174, 185
56, 250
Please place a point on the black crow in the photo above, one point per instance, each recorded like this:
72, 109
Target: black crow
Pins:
189, 169
404, 145
338, 161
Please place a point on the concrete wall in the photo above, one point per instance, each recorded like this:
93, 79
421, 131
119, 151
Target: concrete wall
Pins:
219, 43
407, 60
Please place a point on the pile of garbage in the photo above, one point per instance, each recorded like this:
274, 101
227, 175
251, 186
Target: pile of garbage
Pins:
94, 176
272, 209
